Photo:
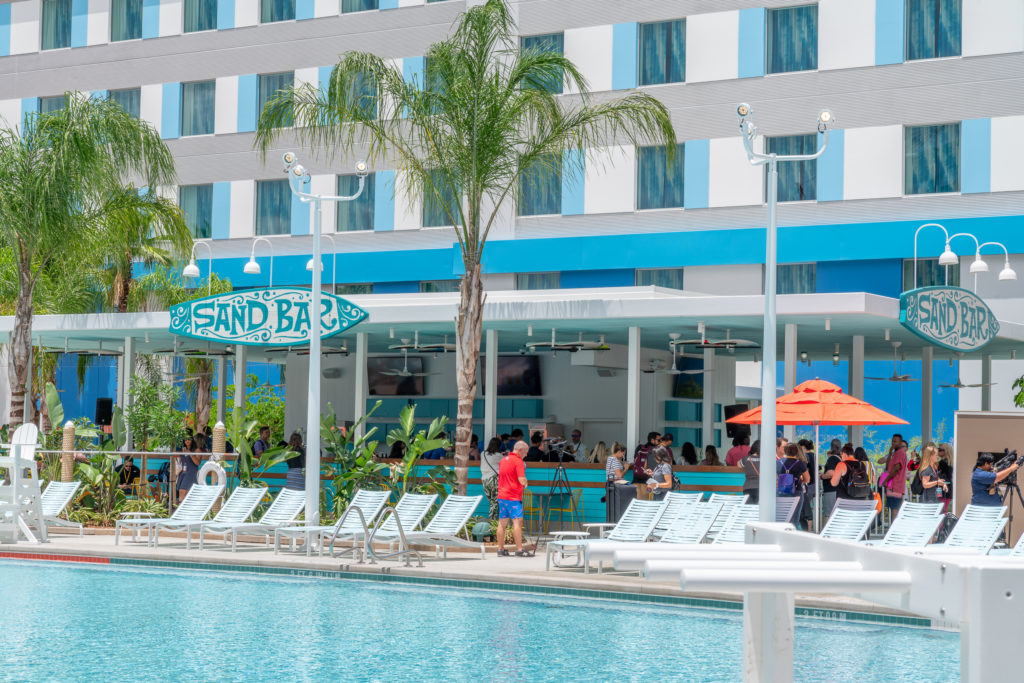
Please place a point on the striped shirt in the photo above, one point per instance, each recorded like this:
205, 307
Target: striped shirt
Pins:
612, 467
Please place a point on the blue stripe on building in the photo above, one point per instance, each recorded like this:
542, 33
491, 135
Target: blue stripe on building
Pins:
5, 29
880, 276
830, 168
225, 14
889, 31
79, 22
573, 168
221, 223
170, 111
150, 19
696, 174
976, 155
396, 287
247, 99
300, 215
751, 43
624, 55
303, 9
384, 200
29, 105
605, 277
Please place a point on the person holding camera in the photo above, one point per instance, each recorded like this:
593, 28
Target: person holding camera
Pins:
984, 480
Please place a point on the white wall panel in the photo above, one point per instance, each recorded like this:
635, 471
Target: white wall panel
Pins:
98, 23
10, 113
170, 18
724, 280
326, 8
151, 104
410, 3
25, 27
873, 162
243, 203
610, 180
846, 33
992, 27
226, 106
712, 46
1007, 151
591, 50
408, 211
732, 181
247, 13
325, 184
308, 75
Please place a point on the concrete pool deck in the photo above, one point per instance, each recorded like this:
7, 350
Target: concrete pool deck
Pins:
460, 569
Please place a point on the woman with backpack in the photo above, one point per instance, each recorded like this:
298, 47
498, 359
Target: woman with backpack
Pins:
793, 477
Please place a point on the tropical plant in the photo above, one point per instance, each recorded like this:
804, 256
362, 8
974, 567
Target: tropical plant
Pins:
481, 124
351, 464
99, 476
1018, 398
61, 182
247, 468
151, 416
414, 444
263, 405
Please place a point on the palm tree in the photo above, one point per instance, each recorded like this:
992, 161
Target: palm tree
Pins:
486, 123
61, 183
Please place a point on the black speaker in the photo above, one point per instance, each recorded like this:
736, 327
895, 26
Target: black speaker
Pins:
104, 411
734, 430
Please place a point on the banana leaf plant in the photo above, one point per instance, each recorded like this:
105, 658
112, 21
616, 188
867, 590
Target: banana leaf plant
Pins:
416, 443
351, 465
99, 476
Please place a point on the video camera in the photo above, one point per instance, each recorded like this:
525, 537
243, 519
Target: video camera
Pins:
1009, 458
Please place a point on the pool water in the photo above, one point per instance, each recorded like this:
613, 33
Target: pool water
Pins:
71, 623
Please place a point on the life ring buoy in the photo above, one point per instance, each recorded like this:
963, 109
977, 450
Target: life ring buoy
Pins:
210, 467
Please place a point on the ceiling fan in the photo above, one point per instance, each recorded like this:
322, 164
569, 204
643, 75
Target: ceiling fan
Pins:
570, 346
430, 347
89, 353
404, 372
324, 350
960, 385
728, 342
895, 377
673, 346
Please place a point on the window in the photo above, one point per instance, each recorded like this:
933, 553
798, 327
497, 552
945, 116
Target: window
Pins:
276, 10
360, 288
797, 179
197, 107
792, 39
537, 280
56, 24
933, 29
51, 104
540, 187
796, 278
200, 15
273, 207
929, 274
358, 5
125, 20
658, 185
439, 203
663, 52
671, 278
439, 286
269, 84
358, 213
548, 42
931, 159
129, 99
196, 202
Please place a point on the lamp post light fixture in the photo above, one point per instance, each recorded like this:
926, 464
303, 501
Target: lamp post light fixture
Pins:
978, 265
252, 267
298, 178
191, 271
334, 259
768, 371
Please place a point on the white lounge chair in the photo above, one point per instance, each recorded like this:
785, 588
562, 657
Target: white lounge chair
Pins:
734, 530
919, 510
675, 503
728, 501
848, 525
359, 516
909, 532
442, 530
405, 517
192, 509
786, 507
636, 525
55, 498
282, 512
975, 532
853, 504
236, 509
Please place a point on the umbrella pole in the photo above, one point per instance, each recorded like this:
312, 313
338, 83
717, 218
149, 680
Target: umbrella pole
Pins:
817, 483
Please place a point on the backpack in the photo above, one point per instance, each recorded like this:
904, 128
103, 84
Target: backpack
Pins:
916, 485
640, 462
855, 481
785, 483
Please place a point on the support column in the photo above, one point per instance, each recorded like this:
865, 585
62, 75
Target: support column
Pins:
708, 403
362, 342
986, 382
490, 387
633, 389
768, 637
856, 433
222, 372
128, 356
789, 371
241, 362
927, 358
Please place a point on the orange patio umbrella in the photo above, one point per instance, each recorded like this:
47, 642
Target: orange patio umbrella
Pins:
817, 402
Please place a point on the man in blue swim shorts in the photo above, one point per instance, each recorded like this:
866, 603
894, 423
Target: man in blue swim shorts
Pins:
511, 483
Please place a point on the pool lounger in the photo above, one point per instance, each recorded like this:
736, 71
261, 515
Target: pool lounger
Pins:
636, 526
359, 516
406, 515
193, 508
442, 530
282, 512
236, 509
55, 498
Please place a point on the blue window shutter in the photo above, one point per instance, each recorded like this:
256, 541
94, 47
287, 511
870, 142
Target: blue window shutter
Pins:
79, 22
170, 116
696, 174
751, 42
830, 168
976, 156
247, 96
150, 18
303, 9
300, 215
221, 228
889, 31
573, 167
384, 200
5, 29
387, 4
624, 55
225, 14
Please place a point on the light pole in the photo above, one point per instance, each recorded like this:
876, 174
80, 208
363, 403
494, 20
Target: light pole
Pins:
297, 177
766, 487
334, 259
253, 268
192, 269
949, 258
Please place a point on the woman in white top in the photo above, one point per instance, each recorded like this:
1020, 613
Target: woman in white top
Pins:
489, 463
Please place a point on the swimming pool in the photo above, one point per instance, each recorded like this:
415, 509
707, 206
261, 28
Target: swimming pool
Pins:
65, 622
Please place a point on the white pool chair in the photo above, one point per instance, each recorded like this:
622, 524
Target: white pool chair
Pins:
728, 501
236, 509
848, 525
975, 534
854, 504
786, 507
282, 512
675, 503
734, 530
192, 509
404, 517
919, 510
55, 498
442, 530
360, 515
21, 498
909, 532
636, 525
1017, 551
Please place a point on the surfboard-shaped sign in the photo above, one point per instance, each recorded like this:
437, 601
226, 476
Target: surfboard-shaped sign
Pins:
274, 316
951, 317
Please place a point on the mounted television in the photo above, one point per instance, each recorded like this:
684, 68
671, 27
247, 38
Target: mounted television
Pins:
382, 381
689, 386
517, 376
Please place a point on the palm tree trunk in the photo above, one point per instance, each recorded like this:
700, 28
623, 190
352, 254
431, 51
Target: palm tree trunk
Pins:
471, 309
21, 345
204, 383
124, 285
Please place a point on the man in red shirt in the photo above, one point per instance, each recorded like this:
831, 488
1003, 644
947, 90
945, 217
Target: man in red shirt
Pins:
511, 482
739, 450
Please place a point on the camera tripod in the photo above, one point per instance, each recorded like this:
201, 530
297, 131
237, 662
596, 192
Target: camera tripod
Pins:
1010, 487
560, 486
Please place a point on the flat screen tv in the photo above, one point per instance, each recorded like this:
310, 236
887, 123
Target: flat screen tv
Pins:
383, 384
689, 386
517, 376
